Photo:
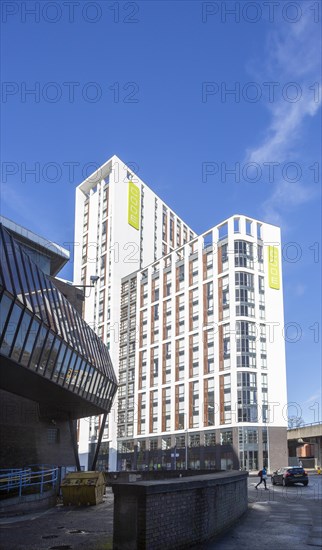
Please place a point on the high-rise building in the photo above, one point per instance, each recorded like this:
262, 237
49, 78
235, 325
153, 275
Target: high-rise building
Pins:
120, 226
204, 383
194, 327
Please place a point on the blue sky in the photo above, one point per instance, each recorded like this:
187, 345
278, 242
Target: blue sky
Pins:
187, 92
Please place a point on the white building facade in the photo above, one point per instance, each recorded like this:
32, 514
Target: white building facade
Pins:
206, 377
120, 226
194, 327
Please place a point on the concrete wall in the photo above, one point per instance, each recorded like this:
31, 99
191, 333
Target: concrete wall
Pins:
28, 503
26, 438
303, 432
178, 513
311, 434
278, 454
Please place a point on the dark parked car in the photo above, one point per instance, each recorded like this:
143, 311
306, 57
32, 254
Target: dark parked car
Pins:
289, 476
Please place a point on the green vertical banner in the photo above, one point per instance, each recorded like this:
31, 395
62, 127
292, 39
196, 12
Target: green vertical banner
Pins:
273, 268
133, 205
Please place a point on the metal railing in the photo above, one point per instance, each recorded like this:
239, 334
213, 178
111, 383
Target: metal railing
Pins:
35, 478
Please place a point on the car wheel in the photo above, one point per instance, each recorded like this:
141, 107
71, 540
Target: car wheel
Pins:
305, 483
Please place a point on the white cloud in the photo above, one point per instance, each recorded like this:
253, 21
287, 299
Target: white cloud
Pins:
285, 197
294, 56
315, 398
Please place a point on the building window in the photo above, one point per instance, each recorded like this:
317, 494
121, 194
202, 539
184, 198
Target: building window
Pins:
166, 412
180, 406
209, 401
246, 344
180, 441
178, 234
153, 443
142, 370
166, 443
226, 437
264, 389
154, 398
260, 257
195, 405
244, 254
181, 275
210, 439
227, 398
226, 346
224, 255
209, 265
194, 271
142, 413
156, 312
259, 230
180, 359
248, 227
181, 326
245, 296
247, 397
223, 231
52, 435
166, 363
194, 440
209, 298
154, 366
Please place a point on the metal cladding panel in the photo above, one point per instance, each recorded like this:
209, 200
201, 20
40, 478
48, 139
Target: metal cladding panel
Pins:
40, 330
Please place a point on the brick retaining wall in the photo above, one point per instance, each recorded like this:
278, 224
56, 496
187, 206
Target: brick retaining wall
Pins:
152, 475
175, 514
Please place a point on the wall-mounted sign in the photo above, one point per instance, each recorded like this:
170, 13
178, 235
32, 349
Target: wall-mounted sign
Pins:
273, 268
133, 205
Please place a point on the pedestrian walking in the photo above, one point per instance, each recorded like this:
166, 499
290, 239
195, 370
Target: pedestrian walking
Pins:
300, 464
263, 476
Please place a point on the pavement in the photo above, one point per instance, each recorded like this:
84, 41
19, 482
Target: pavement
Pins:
280, 518
61, 528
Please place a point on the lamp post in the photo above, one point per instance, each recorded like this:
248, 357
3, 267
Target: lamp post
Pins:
185, 415
93, 279
268, 457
